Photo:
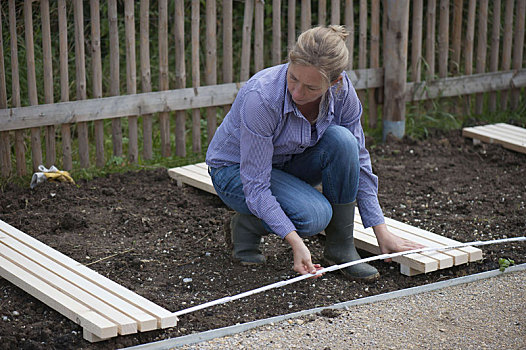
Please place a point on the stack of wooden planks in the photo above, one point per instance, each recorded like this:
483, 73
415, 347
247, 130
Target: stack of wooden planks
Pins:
509, 136
102, 307
196, 175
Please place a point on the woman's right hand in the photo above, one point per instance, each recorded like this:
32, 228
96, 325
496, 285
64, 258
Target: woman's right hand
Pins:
302, 258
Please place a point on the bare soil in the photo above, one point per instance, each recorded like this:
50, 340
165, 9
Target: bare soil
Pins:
156, 236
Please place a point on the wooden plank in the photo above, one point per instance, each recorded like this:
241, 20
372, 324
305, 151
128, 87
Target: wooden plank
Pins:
68, 307
465, 85
164, 317
415, 261
426, 238
499, 137
147, 103
84, 290
14, 252
444, 260
510, 135
193, 179
474, 253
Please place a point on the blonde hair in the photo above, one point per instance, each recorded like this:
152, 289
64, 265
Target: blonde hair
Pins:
324, 48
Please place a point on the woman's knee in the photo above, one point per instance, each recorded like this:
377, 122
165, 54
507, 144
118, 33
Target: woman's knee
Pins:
341, 138
315, 219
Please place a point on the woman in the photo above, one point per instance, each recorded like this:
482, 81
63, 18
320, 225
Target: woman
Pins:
292, 127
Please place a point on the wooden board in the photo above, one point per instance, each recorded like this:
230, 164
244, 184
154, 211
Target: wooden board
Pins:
102, 307
509, 136
197, 175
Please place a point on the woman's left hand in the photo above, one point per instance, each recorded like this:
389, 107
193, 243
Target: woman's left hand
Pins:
391, 243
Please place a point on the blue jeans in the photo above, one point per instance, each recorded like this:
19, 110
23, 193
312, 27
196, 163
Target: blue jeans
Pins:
333, 162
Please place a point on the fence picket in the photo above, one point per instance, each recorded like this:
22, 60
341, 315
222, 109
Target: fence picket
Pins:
48, 78
164, 117
96, 71
180, 78
116, 125
518, 48
5, 143
131, 77
146, 77
211, 61
196, 77
67, 161
82, 128
36, 145
494, 56
482, 39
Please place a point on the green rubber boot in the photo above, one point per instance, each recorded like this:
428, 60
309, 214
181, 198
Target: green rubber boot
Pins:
243, 236
339, 244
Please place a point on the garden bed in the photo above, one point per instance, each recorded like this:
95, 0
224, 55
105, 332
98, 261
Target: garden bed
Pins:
165, 242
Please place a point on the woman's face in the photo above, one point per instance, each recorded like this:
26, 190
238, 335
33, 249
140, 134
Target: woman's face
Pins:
305, 84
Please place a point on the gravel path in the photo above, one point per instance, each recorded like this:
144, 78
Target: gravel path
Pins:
485, 314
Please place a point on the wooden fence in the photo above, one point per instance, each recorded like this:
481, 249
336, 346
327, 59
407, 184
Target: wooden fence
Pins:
402, 51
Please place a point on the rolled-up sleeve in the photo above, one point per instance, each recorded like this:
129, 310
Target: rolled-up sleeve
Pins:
258, 122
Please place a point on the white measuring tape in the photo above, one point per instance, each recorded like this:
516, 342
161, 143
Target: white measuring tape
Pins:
338, 267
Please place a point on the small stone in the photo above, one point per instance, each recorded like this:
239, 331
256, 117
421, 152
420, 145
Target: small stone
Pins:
300, 322
187, 280
16, 313
5, 318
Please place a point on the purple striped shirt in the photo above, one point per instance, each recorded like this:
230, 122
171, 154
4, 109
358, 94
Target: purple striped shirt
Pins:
264, 129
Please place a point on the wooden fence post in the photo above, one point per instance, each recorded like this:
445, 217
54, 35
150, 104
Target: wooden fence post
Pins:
395, 67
